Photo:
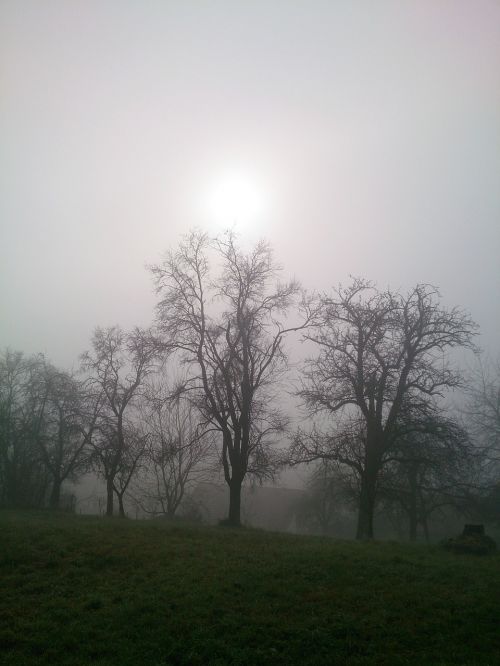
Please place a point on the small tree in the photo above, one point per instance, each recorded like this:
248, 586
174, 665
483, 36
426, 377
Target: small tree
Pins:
326, 499
177, 454
117, 367
129, 464
378, 353
228, 330
68, 422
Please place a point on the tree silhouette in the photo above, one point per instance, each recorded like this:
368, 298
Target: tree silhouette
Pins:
380, 353
228, 328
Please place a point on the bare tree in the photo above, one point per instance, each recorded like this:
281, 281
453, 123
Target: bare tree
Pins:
483, 410
117, 367
483, 421
326, 500
229, 332
178, 453
131, 458
379, 352
430, 467
69, 419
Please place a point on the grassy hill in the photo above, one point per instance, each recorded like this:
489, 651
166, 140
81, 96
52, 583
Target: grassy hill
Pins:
84, 590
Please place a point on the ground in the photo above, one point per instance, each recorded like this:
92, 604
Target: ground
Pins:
88, 590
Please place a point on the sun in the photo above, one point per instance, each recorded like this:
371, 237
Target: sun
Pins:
235, 198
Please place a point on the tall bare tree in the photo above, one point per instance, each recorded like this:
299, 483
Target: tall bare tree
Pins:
229, 329
379, 353
117, 367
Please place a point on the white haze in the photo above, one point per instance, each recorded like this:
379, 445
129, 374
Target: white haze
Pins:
373, 127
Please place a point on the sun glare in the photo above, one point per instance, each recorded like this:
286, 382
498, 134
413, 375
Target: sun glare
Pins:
235, 199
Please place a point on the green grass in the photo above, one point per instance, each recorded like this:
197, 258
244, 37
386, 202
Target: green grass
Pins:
84, 590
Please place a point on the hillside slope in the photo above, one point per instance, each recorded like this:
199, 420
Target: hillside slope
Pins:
78, 590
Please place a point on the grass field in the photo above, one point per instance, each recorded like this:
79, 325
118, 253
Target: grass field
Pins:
84, 590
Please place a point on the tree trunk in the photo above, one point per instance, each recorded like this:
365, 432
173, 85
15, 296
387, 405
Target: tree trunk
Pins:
369, 482
109, 501
366, 507
55, 495
365, 517
234, 517
121, 510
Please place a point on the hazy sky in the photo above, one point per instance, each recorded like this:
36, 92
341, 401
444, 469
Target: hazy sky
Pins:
370, 129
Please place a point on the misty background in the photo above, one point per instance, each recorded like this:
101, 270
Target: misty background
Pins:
372, 130
156, 142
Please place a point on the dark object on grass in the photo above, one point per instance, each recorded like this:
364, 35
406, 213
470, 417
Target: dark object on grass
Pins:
472, 541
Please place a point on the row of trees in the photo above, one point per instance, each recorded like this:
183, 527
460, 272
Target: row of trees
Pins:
42, 432
107, 419
373, 394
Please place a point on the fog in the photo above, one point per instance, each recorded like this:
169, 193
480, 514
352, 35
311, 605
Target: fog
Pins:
271, 402
371, 130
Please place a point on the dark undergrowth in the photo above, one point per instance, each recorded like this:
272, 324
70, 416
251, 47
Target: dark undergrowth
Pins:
85, 590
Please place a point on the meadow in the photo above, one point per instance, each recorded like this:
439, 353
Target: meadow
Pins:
86, 590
